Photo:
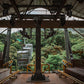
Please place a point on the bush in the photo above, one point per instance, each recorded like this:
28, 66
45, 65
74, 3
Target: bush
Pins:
55, 61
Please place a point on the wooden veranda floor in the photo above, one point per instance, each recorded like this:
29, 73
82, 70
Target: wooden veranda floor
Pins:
54, 79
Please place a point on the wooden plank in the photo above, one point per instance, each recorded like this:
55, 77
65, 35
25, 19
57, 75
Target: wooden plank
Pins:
45, 24
8, 77
54, 79
71, 77
4, 72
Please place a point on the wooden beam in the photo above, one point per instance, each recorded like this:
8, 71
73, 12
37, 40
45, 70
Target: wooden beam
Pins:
28, 6
59, 9
78, 32
45, 2
45, 24
31, 16
33, 6
15, 7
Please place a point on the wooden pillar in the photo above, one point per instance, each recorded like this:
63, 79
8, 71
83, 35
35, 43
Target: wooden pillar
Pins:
68, 46
38, 47
7, 44
38, 75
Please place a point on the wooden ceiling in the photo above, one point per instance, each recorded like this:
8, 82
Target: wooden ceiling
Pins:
77, 11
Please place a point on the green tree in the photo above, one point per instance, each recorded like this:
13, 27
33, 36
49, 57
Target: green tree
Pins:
34, 59
2, 38
1, 47
17, 45
78, 50
51, 50
55, 61
13, 55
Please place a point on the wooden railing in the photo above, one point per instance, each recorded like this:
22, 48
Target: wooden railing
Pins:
42, 70
8, 65
48, 68
29, 68
66, 64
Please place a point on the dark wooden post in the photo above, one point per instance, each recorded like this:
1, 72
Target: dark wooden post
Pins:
38, 75
38, 46
7, 45
68, 46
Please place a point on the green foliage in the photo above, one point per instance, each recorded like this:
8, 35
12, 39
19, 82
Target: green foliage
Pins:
2, 38
52, 49
17, 45
60, 40
78, 47
13, 55
76, 56
55, 61
33, 59
1, 47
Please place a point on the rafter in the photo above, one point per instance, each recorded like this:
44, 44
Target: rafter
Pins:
78, 32
15, 7
59, 10
49, 1
28, 6
45, 2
